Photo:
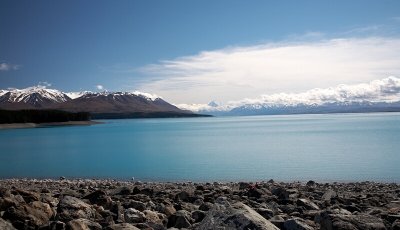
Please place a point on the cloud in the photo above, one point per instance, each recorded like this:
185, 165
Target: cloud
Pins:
7, 66
44, 84
99, 87
385, 90
234, 73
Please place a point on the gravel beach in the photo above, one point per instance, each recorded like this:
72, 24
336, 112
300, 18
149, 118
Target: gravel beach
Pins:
111, 204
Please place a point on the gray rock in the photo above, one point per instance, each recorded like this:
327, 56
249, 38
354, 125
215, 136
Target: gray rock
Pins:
136, 205
281, 193
83, 224
266, 213
296, 224
328, 195
308, 204
71, 208
181, 219
237, 216
134, 216
339, 221
4, 225
123, 226
198, 215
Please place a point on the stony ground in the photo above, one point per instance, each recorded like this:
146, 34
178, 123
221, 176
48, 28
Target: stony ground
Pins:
108, 204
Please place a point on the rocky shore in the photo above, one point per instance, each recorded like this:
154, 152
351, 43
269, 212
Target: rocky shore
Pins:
116, 205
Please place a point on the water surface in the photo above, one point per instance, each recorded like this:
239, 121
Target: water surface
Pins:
330, 147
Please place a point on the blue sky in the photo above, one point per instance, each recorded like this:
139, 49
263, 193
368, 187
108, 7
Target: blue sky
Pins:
127, 45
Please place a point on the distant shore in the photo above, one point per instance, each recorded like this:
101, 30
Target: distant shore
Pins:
112, 204
49, 124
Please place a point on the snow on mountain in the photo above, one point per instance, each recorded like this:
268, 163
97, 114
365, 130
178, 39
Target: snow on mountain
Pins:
2, 92
74, 95
34, 95
386, 90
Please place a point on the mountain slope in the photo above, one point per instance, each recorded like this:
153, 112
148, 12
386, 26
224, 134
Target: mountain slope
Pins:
104, 104
36, 97
119, 102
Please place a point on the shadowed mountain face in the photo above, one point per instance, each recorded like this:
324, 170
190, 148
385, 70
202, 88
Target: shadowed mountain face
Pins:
95, 103
116, 103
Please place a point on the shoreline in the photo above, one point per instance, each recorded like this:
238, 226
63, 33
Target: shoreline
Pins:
120, 204
49, 124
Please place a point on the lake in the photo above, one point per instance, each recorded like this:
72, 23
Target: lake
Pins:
326, 147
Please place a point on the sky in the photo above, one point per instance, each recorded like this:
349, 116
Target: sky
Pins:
198, 51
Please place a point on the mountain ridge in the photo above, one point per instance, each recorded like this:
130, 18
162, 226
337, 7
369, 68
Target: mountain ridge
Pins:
134, 104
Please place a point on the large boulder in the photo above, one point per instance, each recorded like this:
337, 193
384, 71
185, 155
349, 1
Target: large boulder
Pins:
329, 221
180, 219
83, 224
134, 216
236, 216
4, 225
71, 208
297, 224
29, 216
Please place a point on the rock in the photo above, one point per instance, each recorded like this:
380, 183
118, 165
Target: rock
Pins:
26, 216
83, 224
136, 205
4, 225
7, 202
123, 226
255, 192
71, 208
328, 195
124, 191
281, 193
181, 219
28, 196
198, 215
205, 206
183, 196
278, 221
99, 197
134, 216
243, 185
266, 213
338, 221
396, 225
237, 216
310, 183
118, 210
57, 225
45, 208
308, 204
296, 224
169, 210
152, 217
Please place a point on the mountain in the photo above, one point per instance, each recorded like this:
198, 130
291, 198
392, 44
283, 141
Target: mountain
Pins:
117, 102
281, 109
100, 105
36, 97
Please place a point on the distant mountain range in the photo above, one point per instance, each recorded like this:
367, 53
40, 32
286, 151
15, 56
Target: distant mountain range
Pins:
376, 96
100, 105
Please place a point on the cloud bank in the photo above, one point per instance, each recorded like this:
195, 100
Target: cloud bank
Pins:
385, 90
240, 72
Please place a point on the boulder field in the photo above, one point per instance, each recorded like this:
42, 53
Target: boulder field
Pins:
82, 204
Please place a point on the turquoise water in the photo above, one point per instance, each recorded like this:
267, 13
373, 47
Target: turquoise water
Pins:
332, 147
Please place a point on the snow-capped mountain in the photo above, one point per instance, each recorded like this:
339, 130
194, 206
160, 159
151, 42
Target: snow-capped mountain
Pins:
32, 97
40, 97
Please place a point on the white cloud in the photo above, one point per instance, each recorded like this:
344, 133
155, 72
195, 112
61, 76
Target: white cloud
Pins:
99, 87
385, 90
245, 72
44, 84
7, 66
